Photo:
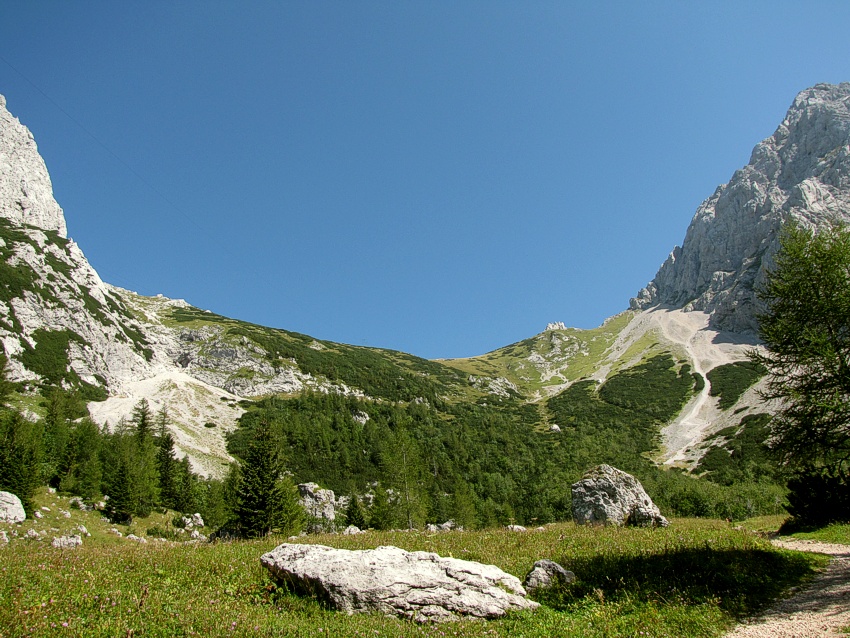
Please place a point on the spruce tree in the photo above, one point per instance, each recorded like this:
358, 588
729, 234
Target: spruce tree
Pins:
267, 501
354, 514
166, 464
80, 469
145, 479
20, 456
383, 514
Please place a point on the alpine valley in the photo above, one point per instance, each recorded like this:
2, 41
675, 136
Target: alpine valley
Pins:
664, 389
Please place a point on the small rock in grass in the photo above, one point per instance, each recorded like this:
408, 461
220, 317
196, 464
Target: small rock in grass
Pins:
67, 542
546, 573
516, 528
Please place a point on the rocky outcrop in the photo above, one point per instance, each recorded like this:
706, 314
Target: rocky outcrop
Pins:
421, 586
11, 508
321, 507
608, 496
800, 173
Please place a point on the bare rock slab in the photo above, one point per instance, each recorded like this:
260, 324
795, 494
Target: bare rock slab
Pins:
608, 496
11, 508
421, 586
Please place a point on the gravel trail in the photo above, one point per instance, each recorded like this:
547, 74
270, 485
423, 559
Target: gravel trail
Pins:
821, 609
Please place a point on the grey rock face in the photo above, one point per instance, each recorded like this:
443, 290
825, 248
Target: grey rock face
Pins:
606, 495
547, 573
11, 508
320, 505
26, 192
421, 586
800, 173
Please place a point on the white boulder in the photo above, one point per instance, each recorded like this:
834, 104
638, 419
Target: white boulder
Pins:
421, 586
11, 508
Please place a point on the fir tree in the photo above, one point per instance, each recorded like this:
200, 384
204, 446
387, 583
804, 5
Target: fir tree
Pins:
20, 456
80, 469
354, 514
143, 470
383, 514
166, 464
267, 501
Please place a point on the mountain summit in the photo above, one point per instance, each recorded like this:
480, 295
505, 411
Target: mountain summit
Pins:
800, 173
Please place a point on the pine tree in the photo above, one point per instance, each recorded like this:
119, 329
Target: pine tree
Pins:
145, 480
402, 463
383, 514
80, 469
267, 501
20, 456
166, 464
57, 434
354, 514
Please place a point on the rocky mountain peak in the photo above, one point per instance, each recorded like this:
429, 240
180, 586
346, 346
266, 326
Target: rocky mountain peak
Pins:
26, 193
801, 173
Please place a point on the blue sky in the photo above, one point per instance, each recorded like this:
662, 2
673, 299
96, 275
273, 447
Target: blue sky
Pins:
442, 178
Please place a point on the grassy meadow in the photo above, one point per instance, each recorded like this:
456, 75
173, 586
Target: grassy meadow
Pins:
695, 578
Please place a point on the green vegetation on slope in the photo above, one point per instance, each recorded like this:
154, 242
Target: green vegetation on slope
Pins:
740, 453
730, 381
385, 374
619, 422
550, 358
489, 463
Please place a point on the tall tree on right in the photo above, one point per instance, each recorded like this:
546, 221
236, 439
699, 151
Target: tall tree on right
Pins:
806, 330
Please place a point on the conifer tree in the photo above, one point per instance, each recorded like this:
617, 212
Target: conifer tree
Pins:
267, 501
80, 469
166, 463
56, 436
20, 456
383, 514
145, 480
354, 514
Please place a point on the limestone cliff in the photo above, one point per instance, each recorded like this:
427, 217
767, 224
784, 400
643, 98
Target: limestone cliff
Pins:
801, 173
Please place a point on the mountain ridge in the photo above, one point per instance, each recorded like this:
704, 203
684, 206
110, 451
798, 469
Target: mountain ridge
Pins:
60, 324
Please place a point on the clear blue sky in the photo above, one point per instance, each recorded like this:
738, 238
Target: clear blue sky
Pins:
442, 178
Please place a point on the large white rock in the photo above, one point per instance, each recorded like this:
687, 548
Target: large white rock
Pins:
421, 586
11, 508
606, 495
801, 172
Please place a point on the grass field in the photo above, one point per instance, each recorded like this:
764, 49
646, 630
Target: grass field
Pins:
694, 578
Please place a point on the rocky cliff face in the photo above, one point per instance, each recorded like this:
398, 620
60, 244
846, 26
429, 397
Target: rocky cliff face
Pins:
59, 323
26, 193
800, 173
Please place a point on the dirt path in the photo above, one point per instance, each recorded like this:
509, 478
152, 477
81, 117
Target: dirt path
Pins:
821, 609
